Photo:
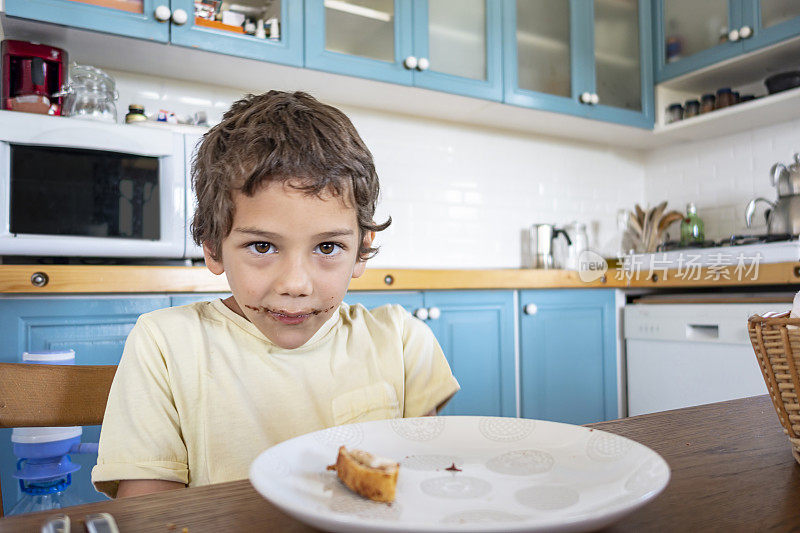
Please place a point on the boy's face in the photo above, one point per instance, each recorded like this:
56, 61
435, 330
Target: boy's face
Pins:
289, 259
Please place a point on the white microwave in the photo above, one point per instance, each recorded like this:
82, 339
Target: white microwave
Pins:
80, 188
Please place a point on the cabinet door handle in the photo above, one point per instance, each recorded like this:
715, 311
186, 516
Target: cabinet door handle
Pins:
745, 32
733, 36
162, 13
530, 309
179, 17
421, 313
423, 63
434, 313
410, 62
595, 99
585, 98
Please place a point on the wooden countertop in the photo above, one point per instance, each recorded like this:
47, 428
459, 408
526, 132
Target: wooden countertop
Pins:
731, 470
17, 279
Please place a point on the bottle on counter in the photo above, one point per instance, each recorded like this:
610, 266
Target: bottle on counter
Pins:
135, 114
692, 227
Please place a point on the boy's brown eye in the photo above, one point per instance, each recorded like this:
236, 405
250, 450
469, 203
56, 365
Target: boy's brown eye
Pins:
327, 248
262, 247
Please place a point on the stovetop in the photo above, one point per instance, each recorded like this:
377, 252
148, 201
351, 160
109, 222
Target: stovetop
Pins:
737, 249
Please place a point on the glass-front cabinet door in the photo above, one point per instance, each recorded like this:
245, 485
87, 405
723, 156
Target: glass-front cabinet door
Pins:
623, 82
772, 21
585, 57
692, 34
447, 45
270, 30
540, 58
145, 19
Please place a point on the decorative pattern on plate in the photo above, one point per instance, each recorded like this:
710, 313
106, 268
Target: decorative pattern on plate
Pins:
547, 498
647, 477
481, 516
353, 504
430, 462
455, 486
521, 463
607, 447
418, 429
505, 429
336, 436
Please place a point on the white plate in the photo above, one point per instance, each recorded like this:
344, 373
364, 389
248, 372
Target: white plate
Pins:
516, 475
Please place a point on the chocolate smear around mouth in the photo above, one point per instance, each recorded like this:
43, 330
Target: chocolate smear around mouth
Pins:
262, 309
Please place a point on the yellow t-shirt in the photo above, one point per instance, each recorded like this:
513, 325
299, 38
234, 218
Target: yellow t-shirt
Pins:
200, 391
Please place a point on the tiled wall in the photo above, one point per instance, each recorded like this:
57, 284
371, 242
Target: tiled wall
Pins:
459, 196
721, 175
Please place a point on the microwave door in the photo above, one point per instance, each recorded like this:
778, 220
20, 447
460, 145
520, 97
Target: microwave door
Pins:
120, 195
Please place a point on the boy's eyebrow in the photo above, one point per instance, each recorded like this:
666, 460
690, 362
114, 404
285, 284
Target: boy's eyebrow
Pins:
269, 235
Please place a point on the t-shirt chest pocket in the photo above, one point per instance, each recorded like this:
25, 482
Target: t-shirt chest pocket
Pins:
377, 401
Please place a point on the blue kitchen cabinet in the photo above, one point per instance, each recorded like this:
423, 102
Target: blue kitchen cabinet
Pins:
451, 46
129, 18
173, 21
568, 363
287, 49
590, 58
476, 332
689, 36
96, 328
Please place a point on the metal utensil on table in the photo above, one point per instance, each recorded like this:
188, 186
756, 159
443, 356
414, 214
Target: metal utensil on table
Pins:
541, 237
783, 215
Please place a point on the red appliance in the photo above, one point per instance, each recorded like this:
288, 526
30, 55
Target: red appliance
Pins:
32, 73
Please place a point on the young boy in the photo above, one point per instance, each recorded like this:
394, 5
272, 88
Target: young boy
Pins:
286, 194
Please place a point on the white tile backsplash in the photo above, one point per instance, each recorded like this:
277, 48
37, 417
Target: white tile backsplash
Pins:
721, 175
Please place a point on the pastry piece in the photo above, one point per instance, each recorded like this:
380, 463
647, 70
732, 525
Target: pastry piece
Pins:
368, 475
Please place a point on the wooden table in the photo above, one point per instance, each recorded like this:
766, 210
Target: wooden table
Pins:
732, 470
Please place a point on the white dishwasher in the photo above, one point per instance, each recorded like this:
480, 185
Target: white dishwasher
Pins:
685, 354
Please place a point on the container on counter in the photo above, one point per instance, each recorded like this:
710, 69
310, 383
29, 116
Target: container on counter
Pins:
135, 114
691, 108
725, 98
708, 103
674, 113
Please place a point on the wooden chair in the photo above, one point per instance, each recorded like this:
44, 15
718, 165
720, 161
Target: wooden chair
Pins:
52, 395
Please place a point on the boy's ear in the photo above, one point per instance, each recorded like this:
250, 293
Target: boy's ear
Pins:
361, 264
213, 265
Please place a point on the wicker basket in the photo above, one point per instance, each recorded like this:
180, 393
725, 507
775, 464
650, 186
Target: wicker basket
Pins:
776, 341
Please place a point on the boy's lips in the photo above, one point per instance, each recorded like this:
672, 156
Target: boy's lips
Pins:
287, 317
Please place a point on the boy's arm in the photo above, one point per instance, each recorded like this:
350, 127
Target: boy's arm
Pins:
137, 487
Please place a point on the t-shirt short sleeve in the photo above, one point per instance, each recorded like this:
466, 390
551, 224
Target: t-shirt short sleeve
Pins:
141, 436
429, 383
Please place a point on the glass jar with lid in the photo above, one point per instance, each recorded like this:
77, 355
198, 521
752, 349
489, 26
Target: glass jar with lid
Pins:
691, 108
725, 98
674, 113
708, 103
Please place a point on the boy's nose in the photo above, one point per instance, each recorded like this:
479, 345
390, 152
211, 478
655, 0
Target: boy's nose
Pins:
295, 279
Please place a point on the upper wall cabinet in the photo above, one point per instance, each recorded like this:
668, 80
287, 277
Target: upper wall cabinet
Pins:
690, 35
590, 58
446, 45
180, 22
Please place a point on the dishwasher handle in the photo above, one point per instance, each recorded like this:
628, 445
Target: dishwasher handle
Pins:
702, 331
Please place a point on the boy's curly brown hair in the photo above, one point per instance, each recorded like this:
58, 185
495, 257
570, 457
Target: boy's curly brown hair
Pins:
281, 137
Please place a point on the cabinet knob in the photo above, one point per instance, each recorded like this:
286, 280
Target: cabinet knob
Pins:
421, 313
162, 13
530, 309
423, 63
179, 17
745, 32
39, 279
586, 98
410, 62
733, 35
434, 313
